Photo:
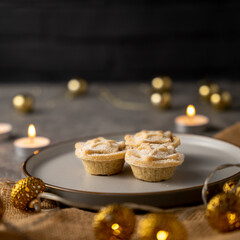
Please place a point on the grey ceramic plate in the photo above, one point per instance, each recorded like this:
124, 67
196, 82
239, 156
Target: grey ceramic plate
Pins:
64, 174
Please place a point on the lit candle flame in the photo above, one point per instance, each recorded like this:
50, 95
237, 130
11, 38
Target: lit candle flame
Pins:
31, 132
190, 111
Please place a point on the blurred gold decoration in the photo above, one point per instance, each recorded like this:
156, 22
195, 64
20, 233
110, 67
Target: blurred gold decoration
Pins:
161, 100
221, 100
223, 212
229, 185
162, 84
25, 190
77, 86
207, 89
161, 226
23, 102
114, 222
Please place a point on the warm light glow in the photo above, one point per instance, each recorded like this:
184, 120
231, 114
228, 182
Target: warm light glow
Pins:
215, 98
191, 111
31, 131
73, 85
157, 83
231, 217
116, 229
156, 98
162, 235
115, 226
204, 90
18, 100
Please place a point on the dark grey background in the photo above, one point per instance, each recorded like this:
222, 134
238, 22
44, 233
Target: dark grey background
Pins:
114, 40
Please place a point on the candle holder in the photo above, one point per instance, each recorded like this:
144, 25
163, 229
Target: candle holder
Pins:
191, 123
26, 146
5, 131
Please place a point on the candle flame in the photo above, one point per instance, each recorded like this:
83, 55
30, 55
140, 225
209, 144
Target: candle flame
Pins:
191, 111
31, 131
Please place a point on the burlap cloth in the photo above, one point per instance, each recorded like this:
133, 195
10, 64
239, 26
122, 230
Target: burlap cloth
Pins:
72, 223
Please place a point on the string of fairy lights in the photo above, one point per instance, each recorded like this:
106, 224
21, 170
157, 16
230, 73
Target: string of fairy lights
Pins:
118, 222
159, 90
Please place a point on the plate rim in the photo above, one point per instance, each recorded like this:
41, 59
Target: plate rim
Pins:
198, 187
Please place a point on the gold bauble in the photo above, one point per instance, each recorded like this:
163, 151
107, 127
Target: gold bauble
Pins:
229, 185
77, 86
207, 89
114, 222
223, 212
162, 84
25, 190
161, 100
23, 102
221, 100
161, 226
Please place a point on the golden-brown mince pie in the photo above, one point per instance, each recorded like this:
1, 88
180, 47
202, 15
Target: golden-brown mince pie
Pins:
153, 162
101, 156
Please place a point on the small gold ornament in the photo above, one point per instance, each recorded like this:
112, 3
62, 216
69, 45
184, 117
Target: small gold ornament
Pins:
161, 226
229, 185
162, 84
23, 102
207, 89
114, 222
223, 212
161, 100
77, 86
25, 190
221, 100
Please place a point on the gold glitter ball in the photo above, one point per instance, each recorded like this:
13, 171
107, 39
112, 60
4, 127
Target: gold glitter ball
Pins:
229, 185
162, 84
161, 100
25, 190
77, 86
23, 102
223, 212
161, 226
114, 222
221, 100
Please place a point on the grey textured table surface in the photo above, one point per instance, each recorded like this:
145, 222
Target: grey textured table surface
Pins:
60, 118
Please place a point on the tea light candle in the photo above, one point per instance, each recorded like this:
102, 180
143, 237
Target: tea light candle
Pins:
28, 145
191, 122
5, 130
